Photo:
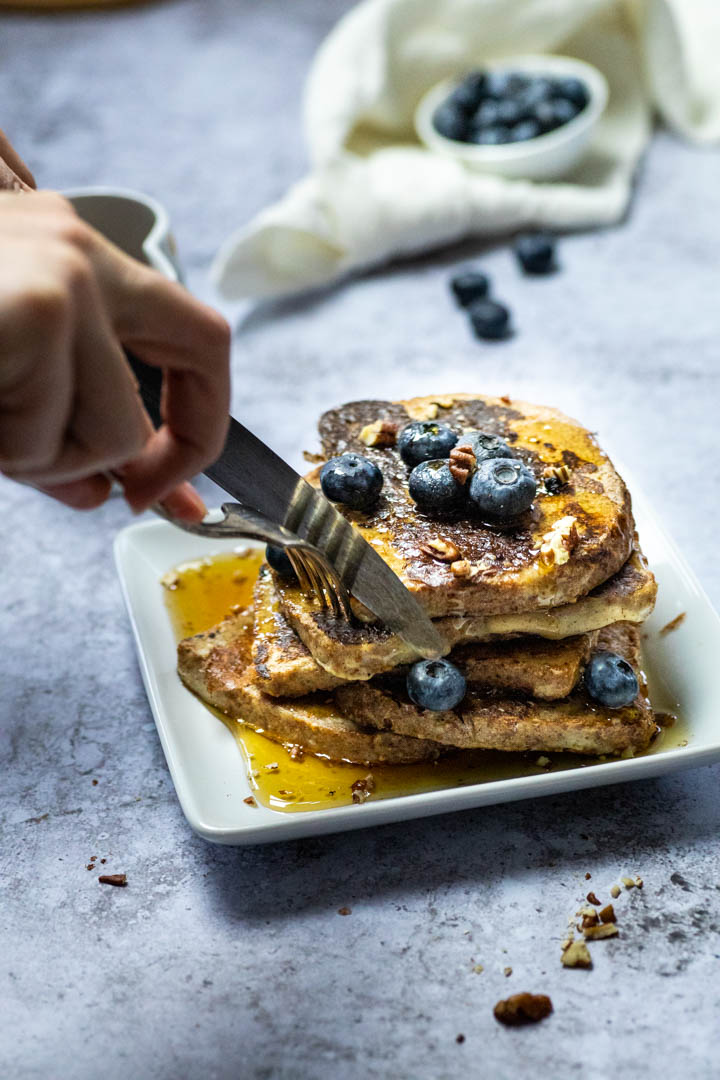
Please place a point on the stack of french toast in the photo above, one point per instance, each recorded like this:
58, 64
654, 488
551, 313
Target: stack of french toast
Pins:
538, 596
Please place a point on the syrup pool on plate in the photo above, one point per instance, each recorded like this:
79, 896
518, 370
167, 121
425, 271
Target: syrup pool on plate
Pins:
199, 594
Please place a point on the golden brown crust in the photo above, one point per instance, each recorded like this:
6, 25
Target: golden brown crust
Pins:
490, 721
218, 669
362, 651
284, 667
511, 576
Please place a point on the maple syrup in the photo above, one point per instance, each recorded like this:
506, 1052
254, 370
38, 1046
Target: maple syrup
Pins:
200, 593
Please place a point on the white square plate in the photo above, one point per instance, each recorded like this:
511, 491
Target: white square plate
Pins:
208, 769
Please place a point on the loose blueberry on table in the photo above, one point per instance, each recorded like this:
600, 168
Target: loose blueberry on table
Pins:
489, 319
423, 440
434, 488
279, 560
535, 252
501, 489
610, 680
435, 684
469, 285
495, 107
352, 480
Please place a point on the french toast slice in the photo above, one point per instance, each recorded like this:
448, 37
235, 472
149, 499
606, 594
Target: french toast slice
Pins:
360, 651
284, 666
217, 666
583, 525
486, 720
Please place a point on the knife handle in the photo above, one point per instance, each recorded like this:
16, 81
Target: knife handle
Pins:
150, 385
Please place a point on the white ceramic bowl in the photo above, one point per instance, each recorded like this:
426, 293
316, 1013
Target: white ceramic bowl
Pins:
546, 157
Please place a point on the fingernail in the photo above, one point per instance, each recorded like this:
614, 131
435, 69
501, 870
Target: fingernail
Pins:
184, 502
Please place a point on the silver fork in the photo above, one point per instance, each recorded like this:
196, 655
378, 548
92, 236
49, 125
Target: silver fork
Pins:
313, 569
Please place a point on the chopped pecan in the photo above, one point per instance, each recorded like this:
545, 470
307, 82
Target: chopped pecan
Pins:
602, 931
381, 433
607, 914
113, 879
442, 550
555, 477
462, 462
523, 1009
362, 788
592, 898
424, 410
615, 891
250, 800
559, 541
589, 920
576, 955
461, 568
673, 624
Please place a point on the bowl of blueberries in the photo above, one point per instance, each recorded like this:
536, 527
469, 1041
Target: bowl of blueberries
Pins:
525, 116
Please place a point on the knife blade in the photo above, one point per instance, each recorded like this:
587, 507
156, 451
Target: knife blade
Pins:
259, 478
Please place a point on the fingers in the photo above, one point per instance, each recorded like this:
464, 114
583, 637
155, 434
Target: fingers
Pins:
185, 503
69, 403
14, 173
86, 494
168, 328
103, 423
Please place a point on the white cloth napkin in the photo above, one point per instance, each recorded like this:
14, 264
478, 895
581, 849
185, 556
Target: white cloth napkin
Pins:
375, 193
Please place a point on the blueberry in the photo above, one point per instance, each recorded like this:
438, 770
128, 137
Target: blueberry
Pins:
468, 94
535, 252
434, 488
574, 90
553, 113
450, 122
469, 285
490, 136
278, 558
545, 115
501, 489
526, 129
611, 680
352, 480
538, 89
436, 685
489, 319
425, 439
486, 445
565, 110
486, 115
509, 112
502, 84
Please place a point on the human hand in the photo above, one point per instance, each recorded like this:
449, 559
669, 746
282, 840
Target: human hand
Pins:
14, 173
69, 406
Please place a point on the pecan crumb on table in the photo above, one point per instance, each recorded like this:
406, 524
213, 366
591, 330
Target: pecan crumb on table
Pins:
523, 1008
113, 879
674, 623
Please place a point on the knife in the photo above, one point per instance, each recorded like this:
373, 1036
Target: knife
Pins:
257, 477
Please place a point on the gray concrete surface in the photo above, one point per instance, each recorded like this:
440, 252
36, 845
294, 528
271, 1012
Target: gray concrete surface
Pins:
222, 963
